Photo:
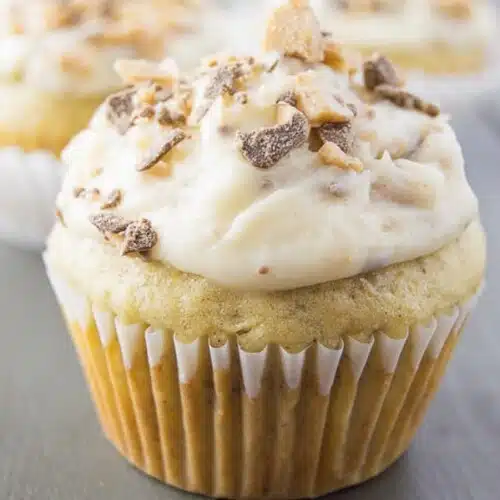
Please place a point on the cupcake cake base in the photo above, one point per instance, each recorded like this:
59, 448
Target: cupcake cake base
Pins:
220, 421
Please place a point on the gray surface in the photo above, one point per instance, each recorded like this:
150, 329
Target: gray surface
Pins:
51, 447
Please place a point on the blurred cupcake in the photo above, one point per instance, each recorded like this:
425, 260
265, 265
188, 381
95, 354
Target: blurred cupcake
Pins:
437, 36
55, 69
268, 271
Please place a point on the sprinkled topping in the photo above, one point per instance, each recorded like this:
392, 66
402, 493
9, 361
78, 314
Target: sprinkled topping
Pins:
294, 31
407, 100
331, 154
113, 200
340, 134
78, 191
154, 155
379, 71
109, 223
334, 56
265, 147
139, 237
60, 217
120, 109
89, 194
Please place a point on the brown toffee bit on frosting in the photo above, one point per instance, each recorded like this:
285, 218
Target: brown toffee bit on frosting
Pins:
265, 147
379, 71
120, 109
60, 217
340, 134
153, 156
77, 191
109, 223
331, 154
113, 200
294, 31
407, 100
139, 237
288, 97
263, 270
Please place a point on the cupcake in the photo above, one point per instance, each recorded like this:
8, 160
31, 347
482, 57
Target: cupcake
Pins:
55, 70
265, 265
437, 36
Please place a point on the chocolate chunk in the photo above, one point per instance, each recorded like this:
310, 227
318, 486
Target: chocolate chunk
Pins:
113, 200
153, 156
109, 223
407, 100
265, 147
139, 237
339, 133
289, 97
379, 71
120, 110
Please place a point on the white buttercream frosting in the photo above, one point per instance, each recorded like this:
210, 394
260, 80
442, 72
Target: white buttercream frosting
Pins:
295, 224
412, 22
44, 44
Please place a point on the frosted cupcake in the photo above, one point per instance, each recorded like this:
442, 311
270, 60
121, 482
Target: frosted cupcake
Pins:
265, 266
437, 36
55, 69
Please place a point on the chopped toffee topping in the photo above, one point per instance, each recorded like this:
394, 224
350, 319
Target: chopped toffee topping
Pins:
340, 134
242, 98
334, 56
407, 100
263, 270
109, 223
78, 191
89, 194
120, 110
113, 200
380, 71
60, 217
288, 97
331, 154
139, 237
294, 31
265, 147
154, 155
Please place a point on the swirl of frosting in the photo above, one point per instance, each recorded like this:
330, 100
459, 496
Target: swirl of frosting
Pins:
270, 172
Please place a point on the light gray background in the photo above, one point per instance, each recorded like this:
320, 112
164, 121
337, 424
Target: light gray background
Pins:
51, 447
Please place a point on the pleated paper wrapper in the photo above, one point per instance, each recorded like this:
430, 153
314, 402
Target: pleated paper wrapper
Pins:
29, 183
224, 422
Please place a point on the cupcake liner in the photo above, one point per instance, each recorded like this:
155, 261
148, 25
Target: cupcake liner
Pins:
29, 183
217, 420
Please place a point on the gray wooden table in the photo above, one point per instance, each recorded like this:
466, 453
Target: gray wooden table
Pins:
51, 447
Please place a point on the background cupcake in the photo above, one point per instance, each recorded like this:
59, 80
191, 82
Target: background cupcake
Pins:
271, 269
56, 67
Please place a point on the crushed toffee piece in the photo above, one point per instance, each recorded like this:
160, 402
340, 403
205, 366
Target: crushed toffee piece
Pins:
265, 147
263, 270
380, 71
120, 110
77, 191
288, 97
60, 217
153, 156
113, 200
405, 99
139, 237
109, 223
339, 133
331, 154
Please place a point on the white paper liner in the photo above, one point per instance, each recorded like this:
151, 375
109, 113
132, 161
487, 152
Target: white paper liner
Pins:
29, 183
136, 341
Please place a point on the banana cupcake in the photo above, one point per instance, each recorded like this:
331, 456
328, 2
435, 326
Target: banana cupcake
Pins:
437, 36
55, 69
265, 265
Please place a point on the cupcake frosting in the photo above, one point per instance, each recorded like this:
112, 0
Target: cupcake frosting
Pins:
70, 46
287, 169
407, 22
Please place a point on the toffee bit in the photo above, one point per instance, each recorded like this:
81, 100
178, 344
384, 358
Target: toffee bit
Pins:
404, 99
77, 191
109, 223
166, 116
288, 97
139, 237
60, 217
113, 200
380, 71
265, 147
223, 81
339, 133
146, 113
120, 109
242, 98
263, 270
332, 155
273, 65
153, 156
